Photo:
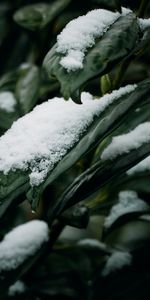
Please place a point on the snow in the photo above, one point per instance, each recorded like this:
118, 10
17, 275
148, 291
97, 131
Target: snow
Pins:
40, 139
7, 102
127, 142
128, 202
144, 23
142, 166
116, 262
21, 243
81, 33
91, 243
17, 288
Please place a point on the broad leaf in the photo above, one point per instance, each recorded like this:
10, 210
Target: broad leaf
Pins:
98, 176
103, 124
117, 42
28, 242
37, 16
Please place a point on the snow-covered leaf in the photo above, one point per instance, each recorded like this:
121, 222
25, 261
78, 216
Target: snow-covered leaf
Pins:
91, 48
118, 157
129, 204
47, 141
19, 249
37, 16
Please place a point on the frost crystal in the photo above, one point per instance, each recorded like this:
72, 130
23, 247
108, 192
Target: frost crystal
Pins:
81, 33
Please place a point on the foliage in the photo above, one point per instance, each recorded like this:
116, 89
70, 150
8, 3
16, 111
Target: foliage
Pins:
82, 258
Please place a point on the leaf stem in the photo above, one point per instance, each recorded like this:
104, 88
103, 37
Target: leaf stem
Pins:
142, 8
121, 73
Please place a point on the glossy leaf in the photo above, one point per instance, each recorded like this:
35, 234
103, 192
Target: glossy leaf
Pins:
96, 177
37, 16
115, 44
109, 119
21, 259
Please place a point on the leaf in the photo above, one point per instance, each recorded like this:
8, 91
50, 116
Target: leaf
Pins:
110, 49
111, 117
37, 16
96, 177
27, 88
138, 238
27, 244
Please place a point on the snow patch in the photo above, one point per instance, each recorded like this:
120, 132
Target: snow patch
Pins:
81, 33
144, 24
116, 262
142, 166
128, 202
7, 101
21, 243
127, 142
17, 288
91, 243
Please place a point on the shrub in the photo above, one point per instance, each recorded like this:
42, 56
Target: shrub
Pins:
74, 169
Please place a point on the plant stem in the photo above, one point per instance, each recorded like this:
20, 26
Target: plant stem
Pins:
56, 230
121, 73
142, 8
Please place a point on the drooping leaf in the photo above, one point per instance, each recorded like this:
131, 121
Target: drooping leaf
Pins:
117, 42
37, 16
105, 170
110, 117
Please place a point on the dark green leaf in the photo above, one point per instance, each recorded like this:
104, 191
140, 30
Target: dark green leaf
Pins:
96, 177
36, 16
114, 45
27, 88
19, 259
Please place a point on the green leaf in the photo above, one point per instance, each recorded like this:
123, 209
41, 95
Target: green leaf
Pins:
112, 116
110, 49
96, 177
27, 88
139, 235
37, 16
13, 264
101, 127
